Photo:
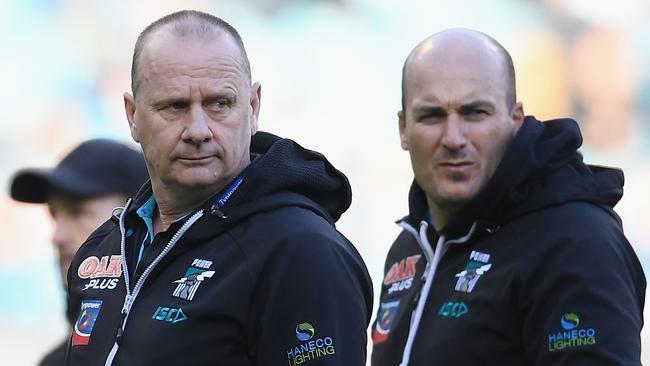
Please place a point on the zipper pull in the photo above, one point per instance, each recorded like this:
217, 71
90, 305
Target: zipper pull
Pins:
120, 329
128, 301
215, 211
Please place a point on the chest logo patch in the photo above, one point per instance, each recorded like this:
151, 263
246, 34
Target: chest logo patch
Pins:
196, 273
104, 267
83, 328
477, 266
102, 273
453, 309
169, 315
400, 275
385, 318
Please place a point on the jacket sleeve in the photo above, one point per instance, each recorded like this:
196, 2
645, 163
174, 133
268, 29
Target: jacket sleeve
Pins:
583, 303
312, 303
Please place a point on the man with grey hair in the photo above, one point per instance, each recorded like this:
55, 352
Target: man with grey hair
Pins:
511, 253
230, 255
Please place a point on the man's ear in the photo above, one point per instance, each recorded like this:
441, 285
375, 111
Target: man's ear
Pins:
402, 130
255, 100
129, 108
518, 115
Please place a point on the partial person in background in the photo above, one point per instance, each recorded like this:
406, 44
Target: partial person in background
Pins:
511, 253
230, 255
80, 192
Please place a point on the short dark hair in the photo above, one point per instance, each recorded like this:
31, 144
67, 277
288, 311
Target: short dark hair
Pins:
511, 95
186, 22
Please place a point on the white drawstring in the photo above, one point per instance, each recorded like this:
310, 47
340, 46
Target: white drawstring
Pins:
424, 293
430, 270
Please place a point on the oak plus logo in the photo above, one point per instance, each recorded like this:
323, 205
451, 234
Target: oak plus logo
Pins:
103, 273
400, 275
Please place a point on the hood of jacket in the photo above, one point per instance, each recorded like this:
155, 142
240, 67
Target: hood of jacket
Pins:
541, 168
281, 173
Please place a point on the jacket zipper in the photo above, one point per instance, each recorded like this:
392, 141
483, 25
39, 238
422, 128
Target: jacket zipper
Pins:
130, 297
433, 259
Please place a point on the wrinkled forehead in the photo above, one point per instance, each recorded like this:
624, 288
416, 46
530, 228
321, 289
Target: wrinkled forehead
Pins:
189, 51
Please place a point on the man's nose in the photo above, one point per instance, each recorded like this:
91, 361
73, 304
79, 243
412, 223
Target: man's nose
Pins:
62, 234
197, 127
454, 137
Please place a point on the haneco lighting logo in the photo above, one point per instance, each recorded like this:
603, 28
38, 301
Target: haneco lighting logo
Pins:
310, 349
572, 336
570, 321
304, 331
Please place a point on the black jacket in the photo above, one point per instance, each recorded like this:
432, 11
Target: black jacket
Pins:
535, 270
56, 356
258, 275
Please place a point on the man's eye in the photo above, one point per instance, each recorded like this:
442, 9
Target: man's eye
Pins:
476, 114
219, 104
173, 107
431, 118
176, 106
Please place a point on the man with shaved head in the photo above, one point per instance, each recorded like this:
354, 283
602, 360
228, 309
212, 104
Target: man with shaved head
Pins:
230, 255
511, 253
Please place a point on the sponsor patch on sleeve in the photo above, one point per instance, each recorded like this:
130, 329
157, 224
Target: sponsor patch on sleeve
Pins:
83, 328
570, 334
385, 318
312, 346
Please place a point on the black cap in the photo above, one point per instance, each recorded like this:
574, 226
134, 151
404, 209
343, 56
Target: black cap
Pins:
95, 168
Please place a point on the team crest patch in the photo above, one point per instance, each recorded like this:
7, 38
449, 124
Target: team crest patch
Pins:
193, 278
83, 328
385, 318
477, 266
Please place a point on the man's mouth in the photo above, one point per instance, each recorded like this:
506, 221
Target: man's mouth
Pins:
196, 159
455, 164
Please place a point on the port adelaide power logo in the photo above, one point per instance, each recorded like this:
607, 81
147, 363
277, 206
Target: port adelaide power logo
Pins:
476, 267
195, 275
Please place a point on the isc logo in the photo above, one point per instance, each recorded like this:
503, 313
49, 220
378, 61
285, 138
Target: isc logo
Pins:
170, 315
452, 309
